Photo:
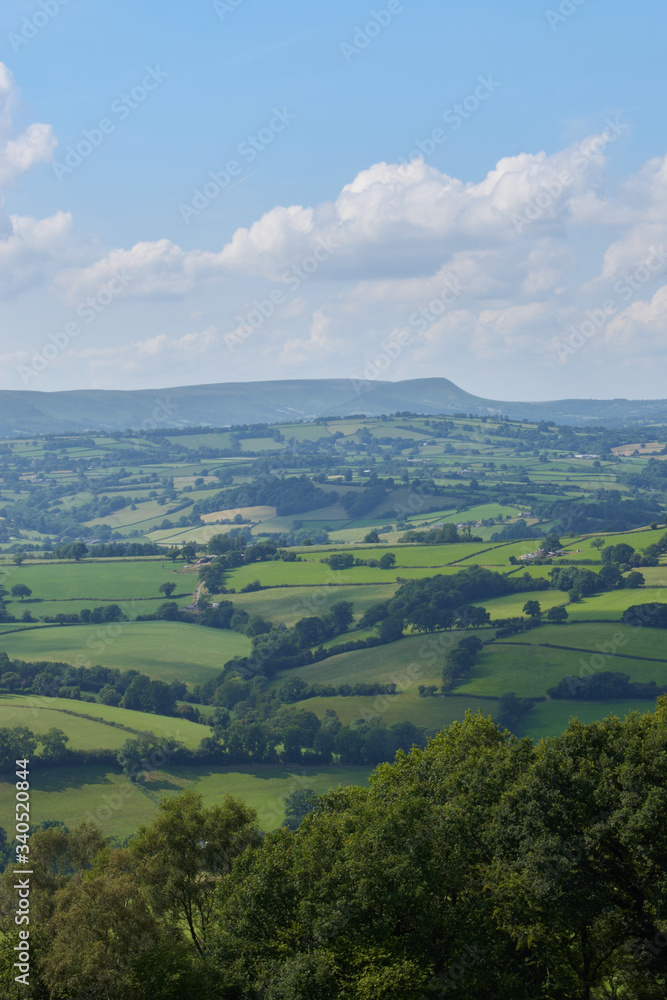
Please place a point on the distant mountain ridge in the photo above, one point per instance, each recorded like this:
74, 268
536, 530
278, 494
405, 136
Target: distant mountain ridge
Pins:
26, 412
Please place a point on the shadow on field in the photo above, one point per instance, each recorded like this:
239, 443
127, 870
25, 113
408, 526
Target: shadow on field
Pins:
267, 772
161, 781
60, 779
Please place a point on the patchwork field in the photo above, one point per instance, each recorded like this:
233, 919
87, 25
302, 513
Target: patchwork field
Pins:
390, 475
130, 607
612, 604
84, 734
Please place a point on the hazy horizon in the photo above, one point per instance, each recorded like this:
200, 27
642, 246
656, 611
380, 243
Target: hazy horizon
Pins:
334, 378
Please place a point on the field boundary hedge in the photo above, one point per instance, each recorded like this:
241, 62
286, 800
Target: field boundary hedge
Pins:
579, 649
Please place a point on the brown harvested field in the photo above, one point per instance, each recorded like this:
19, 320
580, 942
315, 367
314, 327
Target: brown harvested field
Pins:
650, 448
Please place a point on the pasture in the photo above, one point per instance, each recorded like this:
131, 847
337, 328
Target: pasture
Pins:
415, 660
109, 800
408, 555
131, 607
247, 513
277, 574
511, 606
84, 734
550, 718
104, 581
291, 603
529, 669
27, 710
432, 713
166, 651
626, 639
612, 603
160, 477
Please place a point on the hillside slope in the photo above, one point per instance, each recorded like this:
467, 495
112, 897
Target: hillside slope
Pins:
29, 412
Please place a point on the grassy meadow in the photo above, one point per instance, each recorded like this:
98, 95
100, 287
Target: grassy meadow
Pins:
165, 651
108, 799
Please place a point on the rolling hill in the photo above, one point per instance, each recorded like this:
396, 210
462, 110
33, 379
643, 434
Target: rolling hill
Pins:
219, 405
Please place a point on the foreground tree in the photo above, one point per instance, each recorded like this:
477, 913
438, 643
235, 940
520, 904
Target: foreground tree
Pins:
100, 926
479, 867
185, 853
380, 891
579, 875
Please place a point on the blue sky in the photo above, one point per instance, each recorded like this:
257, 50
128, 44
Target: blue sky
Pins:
420, 269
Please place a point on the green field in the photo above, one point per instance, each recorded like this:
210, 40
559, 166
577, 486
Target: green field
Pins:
408, 555
110, 800
522, 665
130, 607
277, 574
612, 604
29, 710
550, 718
624, 639
165, 650
289, 604
655, 576
409, 662
530, 670
179, 536
432, 713
511, 605
639, 540
84, 734
128, 518
108, 581
499, 554
7, 627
